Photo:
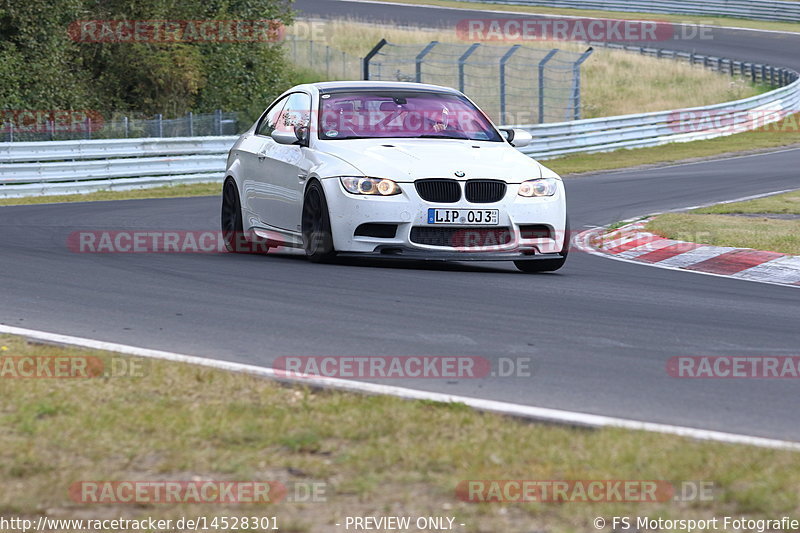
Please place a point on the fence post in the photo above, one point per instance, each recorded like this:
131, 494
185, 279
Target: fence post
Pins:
343, 68
461, 61
503, 61
125, 122
190, 123
218, 121
327, 61
11, 131
542, 64
420, 57
88, 127
576, 83
369, 56
311, 54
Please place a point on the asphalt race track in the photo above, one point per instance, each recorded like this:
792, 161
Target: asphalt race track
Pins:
599, 331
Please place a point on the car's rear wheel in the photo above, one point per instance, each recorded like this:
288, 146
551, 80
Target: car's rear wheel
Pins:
548, 265
232, 223
316, 225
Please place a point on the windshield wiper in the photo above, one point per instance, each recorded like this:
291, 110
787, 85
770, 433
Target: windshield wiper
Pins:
434, 136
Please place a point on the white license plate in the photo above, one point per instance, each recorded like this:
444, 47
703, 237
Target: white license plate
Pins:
466, 217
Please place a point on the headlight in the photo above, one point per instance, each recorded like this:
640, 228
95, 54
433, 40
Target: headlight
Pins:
372, 186
540, 187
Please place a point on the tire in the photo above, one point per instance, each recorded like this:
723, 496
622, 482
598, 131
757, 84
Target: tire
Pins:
232, 225
548, 265
316, 225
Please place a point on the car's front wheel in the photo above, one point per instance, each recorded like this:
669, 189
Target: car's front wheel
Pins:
233, 226
548, 265
316, 225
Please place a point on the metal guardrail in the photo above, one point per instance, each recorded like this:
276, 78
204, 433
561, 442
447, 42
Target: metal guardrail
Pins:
749, 9
653, 129
72, 167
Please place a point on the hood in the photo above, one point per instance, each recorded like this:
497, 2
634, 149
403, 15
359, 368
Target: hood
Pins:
406, 160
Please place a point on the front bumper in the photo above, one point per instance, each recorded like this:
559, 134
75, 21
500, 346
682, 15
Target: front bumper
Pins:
411, 254
408, 210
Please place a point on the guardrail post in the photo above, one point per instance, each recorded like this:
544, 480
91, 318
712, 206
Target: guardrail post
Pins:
190, 123
503, 61
542, 64
461, 61
576, 83
420, 57
369, 56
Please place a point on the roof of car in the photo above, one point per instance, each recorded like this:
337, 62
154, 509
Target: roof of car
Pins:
331, 86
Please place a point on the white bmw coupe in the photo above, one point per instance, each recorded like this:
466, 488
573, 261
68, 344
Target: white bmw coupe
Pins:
392, 170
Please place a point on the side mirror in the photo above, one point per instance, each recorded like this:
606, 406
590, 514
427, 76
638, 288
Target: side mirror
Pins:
284, 137
517, 138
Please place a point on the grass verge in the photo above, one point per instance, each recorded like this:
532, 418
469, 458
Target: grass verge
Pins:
719, 226
174, 191
376, 455
624, 15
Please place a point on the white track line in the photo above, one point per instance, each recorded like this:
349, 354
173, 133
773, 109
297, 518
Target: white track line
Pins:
512, 409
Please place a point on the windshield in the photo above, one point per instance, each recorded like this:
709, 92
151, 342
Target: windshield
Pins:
404, 114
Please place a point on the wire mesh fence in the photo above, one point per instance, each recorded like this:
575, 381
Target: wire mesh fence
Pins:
21, 126
512, 84
326, 61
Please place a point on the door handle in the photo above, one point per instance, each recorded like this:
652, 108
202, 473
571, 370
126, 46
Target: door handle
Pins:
302, 177
262, 156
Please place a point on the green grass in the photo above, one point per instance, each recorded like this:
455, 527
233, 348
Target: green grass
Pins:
377, 455
717, 225
176, 191
788, 204
624, 15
